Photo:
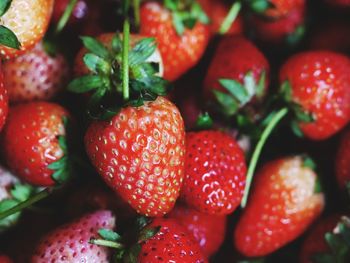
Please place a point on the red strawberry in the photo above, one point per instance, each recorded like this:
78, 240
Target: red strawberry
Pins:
70, 243
239, 63
171, 244
282, 204
208, 230
5, 259
215, 172
279, 8
315, 241
79, 13
35, 75
32, 141
140, 154
286, 29
28, 19
320, 86
342, 161
217, 11
180, 52
3, 99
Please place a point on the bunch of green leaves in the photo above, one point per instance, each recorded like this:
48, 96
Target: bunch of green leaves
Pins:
339, 244
7, 37
185, 14
105, 79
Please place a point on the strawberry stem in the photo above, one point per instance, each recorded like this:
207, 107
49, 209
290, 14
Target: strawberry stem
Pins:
106, 243
257, 151
136, 4
230, 18
65, 17
27, 203
125, 61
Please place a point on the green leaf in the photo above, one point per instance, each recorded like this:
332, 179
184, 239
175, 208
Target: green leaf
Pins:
4, 6
198, 13
296, 129
109, 235
85, 84
229, 104
178, 24
148, 233
286, 91
117, 44
204, 122
142, 51
296, 37
59, 164
96, 47
259, 6
309, 163
62, 142
236, 89
133, 254
8, 38
96, 64
21, 192
12, 219
301, 115
260, 90
62, 175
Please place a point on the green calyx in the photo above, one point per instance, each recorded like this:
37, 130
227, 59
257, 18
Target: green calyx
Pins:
300, 116
7, 37
338, 242
107, 77
204, 122
185, 14
126, 249
63, 167
237, 95
260, 6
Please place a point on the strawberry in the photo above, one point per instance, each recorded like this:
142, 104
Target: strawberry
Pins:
318, 84
289, 28
5, 259
274, 9
3, 99
208, 230
70, 243
238, 69
140, 154
35, 75
28, 19
340, 3
171, 244
315, 241
217, 11
34, 147
215, 172
282, 204
342, 161
180, 46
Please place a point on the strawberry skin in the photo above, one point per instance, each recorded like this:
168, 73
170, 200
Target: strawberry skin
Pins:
277, 31
30, 140
3, 99
140, 154
215, 172
320, 84
35, 75
342, 161
29, 27
5, 259
179, 53
171, 244
70, 243
208, 230
234, 58
315, 241
282, 8
281, 206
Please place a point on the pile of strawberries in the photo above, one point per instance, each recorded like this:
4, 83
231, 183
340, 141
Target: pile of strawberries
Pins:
185, 131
